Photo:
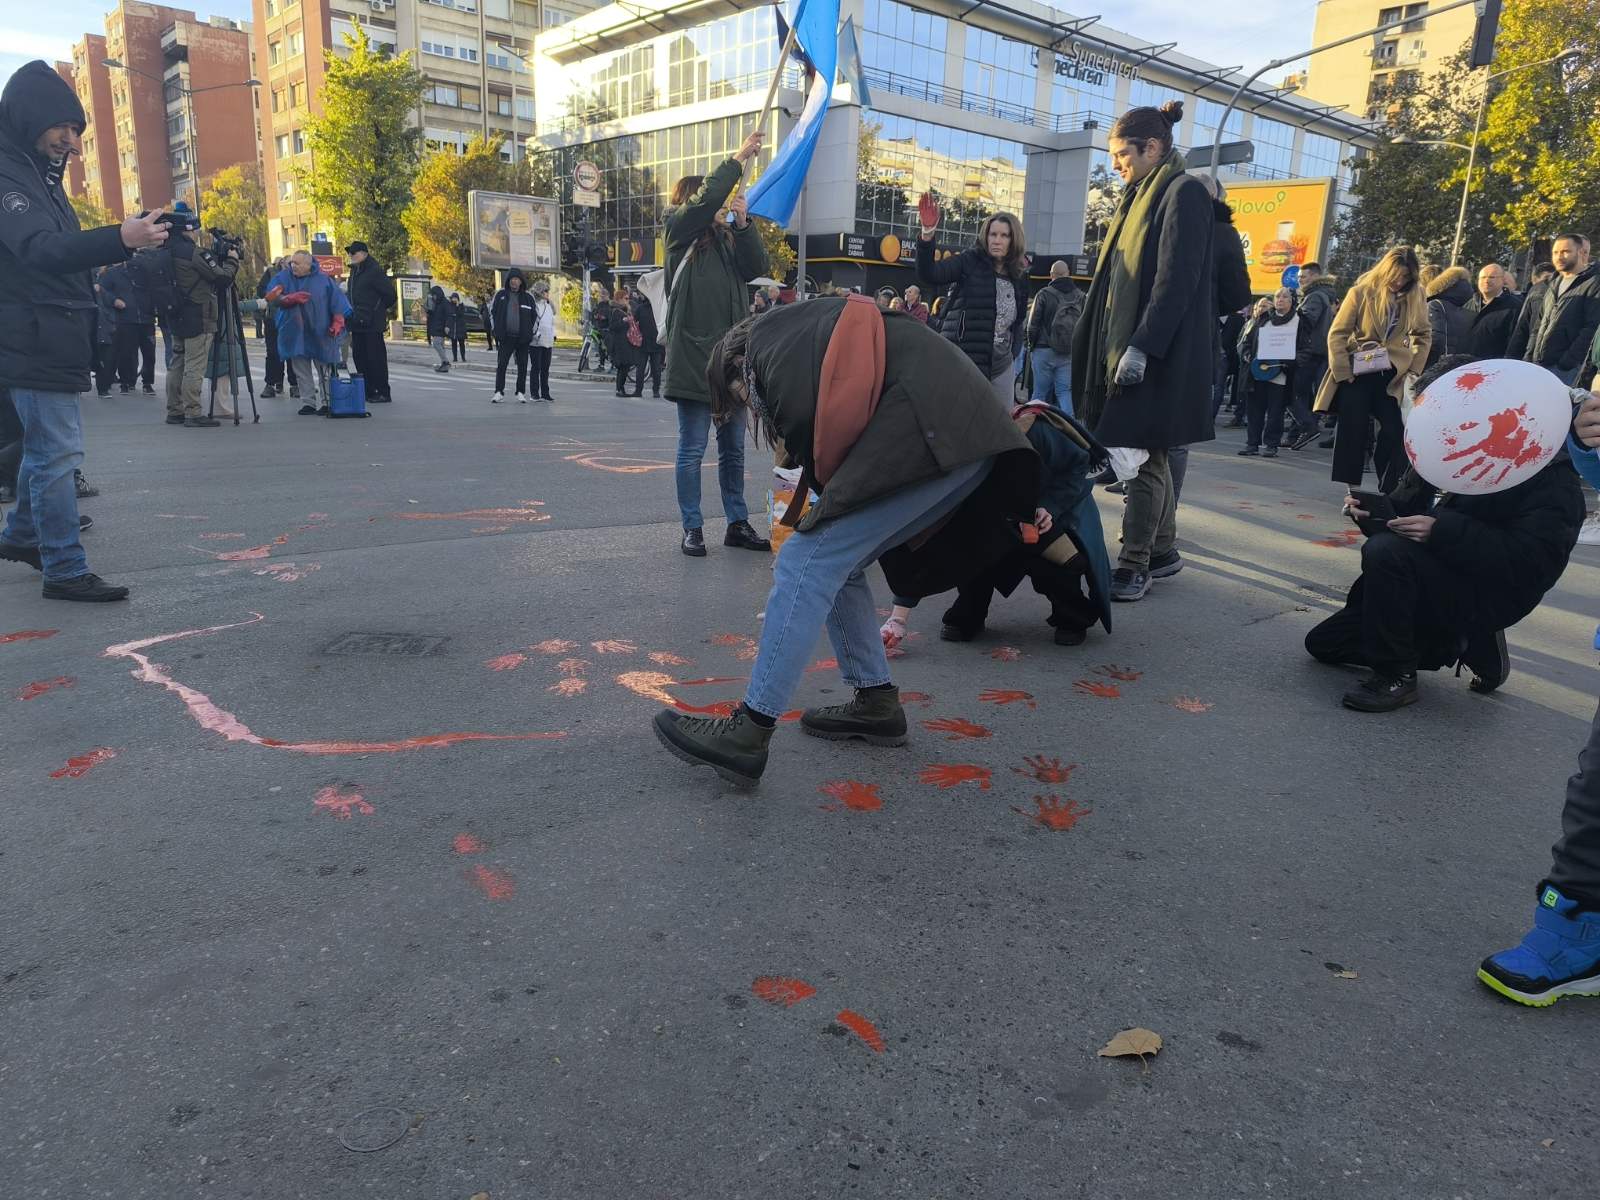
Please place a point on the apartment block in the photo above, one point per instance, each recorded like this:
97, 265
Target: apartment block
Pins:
1356, 74
74, 180
91, 78
468, 49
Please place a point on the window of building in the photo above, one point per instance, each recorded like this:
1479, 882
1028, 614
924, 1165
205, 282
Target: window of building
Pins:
275, 51
442, 93
1143, 93
297, 94
174, 125
1274, 143
1206, 115
277, 100
1000, 71
1081, 92
969, 174
722, 58
281, 144
1385, 53
612, 85
472, 98
1319, 155
299, 141
294, 44
905, 42
272, 8
285, 188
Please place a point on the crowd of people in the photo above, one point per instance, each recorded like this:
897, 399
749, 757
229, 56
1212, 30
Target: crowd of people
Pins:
916, 443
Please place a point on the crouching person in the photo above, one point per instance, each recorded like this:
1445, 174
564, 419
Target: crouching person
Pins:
1067, 564
889, 424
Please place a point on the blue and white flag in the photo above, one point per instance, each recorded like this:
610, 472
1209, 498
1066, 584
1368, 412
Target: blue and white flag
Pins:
850, 62
776, 193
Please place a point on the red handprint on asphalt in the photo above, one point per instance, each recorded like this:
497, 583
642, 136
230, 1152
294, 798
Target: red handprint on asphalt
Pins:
949, 775
957, 727
1105, 691
1046, 770
859, 797
1505, 447
1050, 812
1112, 671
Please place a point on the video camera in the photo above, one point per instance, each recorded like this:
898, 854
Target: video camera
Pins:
224, 243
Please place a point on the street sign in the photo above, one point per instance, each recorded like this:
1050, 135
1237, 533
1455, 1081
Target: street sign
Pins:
331, 264
1291, 277
586, 176
585, 198
1232, 152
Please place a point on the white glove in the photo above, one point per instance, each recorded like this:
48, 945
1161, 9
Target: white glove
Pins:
1131, 368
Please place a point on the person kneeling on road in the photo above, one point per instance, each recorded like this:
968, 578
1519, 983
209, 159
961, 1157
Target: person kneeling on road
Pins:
889, 423
47, 324
1447, 576
311, 312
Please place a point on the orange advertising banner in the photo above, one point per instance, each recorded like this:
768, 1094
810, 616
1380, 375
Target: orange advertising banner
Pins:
1282, 225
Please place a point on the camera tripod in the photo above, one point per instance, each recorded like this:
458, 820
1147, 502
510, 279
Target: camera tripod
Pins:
230, 339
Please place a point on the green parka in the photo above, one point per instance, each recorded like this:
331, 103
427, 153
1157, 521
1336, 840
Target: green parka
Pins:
711, 296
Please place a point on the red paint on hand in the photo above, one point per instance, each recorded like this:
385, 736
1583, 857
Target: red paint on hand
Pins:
1005, 696
1104, 691
957, 727
80, 765
27, 635
1125, 674
1189, 704
506, 662
492, 882
778, 989
39, 687
1046, 770
949, 775
862, 1028
466, 843
342, 805
1005, 654
1050, 812
858, 797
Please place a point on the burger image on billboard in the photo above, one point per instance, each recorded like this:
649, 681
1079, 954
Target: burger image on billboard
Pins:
1285, 250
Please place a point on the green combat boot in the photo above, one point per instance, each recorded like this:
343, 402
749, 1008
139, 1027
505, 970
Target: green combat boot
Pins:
735, 747
874, 716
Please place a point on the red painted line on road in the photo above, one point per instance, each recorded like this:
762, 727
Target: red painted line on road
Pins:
39, 687
80, 765
27, 635
862, 1028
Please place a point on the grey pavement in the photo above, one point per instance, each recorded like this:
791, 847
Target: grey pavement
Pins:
261, 919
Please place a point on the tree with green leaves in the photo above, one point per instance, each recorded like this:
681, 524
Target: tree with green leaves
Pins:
365, 149
90, 214
234, 199
781, 257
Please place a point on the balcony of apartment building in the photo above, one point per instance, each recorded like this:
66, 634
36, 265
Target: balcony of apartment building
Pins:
175, 44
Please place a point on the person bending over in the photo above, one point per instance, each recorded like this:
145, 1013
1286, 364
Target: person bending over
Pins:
1445, 577
889, 424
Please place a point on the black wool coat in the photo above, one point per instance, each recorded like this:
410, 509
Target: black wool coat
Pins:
969, 307
1177, 330
1492, 325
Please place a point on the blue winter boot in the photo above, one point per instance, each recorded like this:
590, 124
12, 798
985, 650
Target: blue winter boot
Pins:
1559, 956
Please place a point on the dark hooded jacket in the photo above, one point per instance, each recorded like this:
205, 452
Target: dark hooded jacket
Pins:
971, 304
1228, 261
1557, 325
1492, 324
1448, 314
372, 297
47, 301
438, 313
936, 413
526, 315
1316, 318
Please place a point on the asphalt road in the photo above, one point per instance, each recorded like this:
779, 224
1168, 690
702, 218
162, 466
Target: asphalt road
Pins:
260, 919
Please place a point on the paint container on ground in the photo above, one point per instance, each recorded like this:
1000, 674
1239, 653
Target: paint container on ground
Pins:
779, 496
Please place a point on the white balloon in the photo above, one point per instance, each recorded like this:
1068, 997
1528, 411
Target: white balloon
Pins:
1487, 426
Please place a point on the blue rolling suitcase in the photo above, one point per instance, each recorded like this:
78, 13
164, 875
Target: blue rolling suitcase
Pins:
347, 395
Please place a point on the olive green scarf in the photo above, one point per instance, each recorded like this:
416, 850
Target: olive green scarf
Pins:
1112, 306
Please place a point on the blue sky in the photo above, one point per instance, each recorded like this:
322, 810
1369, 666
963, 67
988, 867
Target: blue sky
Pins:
1252, 34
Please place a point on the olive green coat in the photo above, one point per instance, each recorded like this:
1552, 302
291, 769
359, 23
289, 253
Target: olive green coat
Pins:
711, 296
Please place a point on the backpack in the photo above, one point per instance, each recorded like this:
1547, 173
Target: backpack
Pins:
1064, 322
631, 326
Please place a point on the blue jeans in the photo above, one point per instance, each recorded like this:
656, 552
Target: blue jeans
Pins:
694, 427
46, 512
818, 580
1052, 373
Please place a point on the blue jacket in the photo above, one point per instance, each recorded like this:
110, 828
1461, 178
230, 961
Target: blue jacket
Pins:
303, 328
1587, 461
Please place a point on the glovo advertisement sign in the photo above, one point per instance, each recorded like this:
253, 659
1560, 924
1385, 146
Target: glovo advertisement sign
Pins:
1282, 225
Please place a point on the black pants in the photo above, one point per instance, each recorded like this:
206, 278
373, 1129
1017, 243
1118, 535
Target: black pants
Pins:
1407, 611
1063, 586
632, 364
1266, 407
277, 366
372, 361
505, 351
488, 334
1366, 397
105, 366
458, 347
539, 357
655, 359
1575, 859
135, 354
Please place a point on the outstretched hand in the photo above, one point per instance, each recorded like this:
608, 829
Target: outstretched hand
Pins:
138, 233
928, 214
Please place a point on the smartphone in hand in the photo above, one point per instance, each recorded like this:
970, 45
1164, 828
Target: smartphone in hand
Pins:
1378, 507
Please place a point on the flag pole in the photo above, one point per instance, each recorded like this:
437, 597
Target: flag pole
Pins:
777, 78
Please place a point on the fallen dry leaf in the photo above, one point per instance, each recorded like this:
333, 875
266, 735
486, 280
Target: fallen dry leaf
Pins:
1134, 1043
1548, 1142
1345, 975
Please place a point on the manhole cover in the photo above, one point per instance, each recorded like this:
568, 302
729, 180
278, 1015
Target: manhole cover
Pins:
404, 644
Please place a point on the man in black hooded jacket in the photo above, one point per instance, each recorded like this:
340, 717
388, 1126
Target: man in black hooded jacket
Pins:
47, 314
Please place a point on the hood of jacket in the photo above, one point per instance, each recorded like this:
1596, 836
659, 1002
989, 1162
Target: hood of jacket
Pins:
1453, 284
519, 277
1064, 285
1277, 318
36, 99
1320, 283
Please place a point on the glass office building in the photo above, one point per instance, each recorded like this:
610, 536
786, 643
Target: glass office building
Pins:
1006, 109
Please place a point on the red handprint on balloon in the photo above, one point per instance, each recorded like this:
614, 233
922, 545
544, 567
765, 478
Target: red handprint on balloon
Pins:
1506, 447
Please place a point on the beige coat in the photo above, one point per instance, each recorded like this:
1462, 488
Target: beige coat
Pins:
1362, 318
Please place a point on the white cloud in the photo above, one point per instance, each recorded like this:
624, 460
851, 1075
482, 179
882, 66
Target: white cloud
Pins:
1249, 35
28, 44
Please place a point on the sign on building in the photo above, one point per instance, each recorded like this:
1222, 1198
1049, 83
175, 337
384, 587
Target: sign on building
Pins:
414, 301
586, 185
1282, 225
508, 230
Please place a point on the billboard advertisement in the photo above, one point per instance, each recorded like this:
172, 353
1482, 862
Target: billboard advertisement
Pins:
1282, 224
508, 231
414, 300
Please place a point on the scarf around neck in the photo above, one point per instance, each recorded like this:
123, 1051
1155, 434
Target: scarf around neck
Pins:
1112, 306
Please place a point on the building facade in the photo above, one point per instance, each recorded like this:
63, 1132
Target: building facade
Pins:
74, 177
990, 107
473, 53
91, 78
1356, 75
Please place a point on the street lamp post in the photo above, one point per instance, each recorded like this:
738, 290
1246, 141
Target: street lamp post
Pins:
188, 95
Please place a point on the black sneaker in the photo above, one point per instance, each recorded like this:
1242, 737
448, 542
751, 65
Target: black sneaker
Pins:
1269, 452
1383, 693
1117, 488
1248, 452
82, 486
324, 411
1129, 584
174, 419
1488, 659
1165, 566
1305, 439
951, 632
85, 522
735, 747
102, 394
294, 391
123, 389
268, 392
873, 714
1071, 635
201, 423
148, 390
742, 536
307, 410
694, 543
90, 589
28, 556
